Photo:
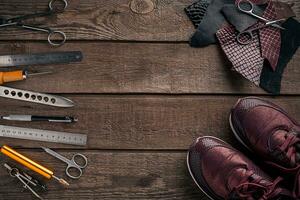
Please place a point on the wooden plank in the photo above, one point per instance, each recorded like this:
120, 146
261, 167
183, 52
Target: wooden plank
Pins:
144, 68
115, 175
138, 20
139, 122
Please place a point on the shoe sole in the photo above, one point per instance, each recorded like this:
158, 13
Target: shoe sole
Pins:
190, 171
237, 135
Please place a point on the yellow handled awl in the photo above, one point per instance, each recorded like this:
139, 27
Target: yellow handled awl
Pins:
31, 164
17, 75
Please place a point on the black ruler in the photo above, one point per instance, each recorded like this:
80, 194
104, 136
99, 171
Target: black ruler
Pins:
40, 58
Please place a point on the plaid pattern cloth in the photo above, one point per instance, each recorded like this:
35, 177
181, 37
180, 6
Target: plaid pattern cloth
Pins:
270, 38
246, 59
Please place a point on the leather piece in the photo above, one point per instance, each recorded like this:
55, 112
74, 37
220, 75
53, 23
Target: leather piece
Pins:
290, 41
270, 37
283, 10
246, 59
197, 11
238, 19
210, 24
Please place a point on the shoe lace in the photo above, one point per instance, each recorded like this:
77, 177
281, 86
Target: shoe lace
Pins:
290, 150
253, 189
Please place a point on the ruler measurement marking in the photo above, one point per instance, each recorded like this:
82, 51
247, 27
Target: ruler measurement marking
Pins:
45, 136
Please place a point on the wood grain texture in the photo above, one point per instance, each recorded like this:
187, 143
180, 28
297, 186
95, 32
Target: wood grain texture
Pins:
139, 122
138, 20
114, 175
144, 68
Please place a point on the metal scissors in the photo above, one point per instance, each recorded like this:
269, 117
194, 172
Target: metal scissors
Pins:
247, 7
246, 36
72, 164
53, 8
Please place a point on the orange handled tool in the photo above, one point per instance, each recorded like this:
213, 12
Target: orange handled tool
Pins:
30, 164
17, 75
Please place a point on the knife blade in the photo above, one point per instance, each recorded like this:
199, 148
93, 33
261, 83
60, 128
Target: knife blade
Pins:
35, 97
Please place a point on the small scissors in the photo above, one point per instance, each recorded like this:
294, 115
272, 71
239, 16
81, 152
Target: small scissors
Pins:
72, 164
247, 7
53, 8
246, 37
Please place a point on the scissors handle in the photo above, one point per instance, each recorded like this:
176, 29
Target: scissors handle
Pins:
73, 172
55, 8
74, 169
51, 34
56, 43
244, 37
82, 157
248, 8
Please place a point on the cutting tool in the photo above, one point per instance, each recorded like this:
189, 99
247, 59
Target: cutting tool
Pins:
53, 8
247, 7
24, 95
246, 36
72, 164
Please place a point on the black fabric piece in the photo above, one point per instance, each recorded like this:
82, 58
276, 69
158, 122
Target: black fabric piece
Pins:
196, 11
290, 41
241, 21
210, 24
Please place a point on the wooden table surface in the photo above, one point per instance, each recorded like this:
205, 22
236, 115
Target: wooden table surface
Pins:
142, 96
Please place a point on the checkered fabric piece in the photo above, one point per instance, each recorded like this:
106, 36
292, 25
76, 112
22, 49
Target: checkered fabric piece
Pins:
196, 11
270, 38
246, 59
258, 2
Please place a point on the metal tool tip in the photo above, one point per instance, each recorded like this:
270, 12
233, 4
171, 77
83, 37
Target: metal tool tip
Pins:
62, 181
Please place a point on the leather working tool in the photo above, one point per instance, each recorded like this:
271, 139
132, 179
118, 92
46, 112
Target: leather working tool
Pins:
43, 135
36, 118
246, 36
59, 57
53, 8
27, 181
26, 95
35, 97
17, 75
247, 7
35, 59
30, 164
71, 164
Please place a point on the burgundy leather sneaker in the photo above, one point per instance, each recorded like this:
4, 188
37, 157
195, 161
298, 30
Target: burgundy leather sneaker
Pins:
267, 130
222, 172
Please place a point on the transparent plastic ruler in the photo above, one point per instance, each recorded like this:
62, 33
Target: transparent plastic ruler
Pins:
43, 135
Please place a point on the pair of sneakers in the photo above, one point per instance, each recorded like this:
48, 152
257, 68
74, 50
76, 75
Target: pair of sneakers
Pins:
270, 135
